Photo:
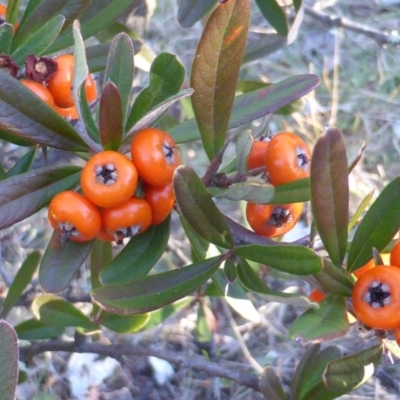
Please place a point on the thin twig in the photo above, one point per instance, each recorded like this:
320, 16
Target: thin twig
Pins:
238, 373
334, 21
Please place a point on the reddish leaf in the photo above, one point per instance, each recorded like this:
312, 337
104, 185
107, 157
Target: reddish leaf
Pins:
215, 70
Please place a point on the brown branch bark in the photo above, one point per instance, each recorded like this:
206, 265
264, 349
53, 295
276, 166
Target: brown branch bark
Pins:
329, 21
239, 373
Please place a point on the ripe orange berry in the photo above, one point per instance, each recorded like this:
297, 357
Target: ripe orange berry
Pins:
40, 90
258, 153
287, 158
273, 220
395, 254
161, 201
155, 156
316, 295
3, 12
127, 219
376, 298
60, 83
109, 179
74, 216
69, 113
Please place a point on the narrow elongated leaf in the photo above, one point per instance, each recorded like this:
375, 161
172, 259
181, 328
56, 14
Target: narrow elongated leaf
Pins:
326, 322
155, 291
334, 279
330, 193
377, 228
120, 68
25, 194
124, 323
93, 20
166, 78
110, 117
361, 209
6, 36
20, 282
244, 143
215, 71
153, 115
138, 257
100, 256
254, 192
8, 361
293, 192
39, 40
23, 165
55, 311
262, 45
350, 372
191, 11
14, 139
274, 14
39, 13
12, 11
255, 104
32, 329
60, 262
270, 385
198, 208
24, 115
307, 381
297, 260
250, 280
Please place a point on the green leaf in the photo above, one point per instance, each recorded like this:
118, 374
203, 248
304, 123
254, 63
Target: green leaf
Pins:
111, 117
155, 291
6, 37
166, 78
330, 192
138, 257
191, 11
270, 385
377, 228
58, 312
297, 260
326, 322
198, 208
94, 20
203, 332
120, 68
153, 115
12, 11
23, 165
14, 139
250, 280
32, 329
334, 280
244, 143
255, 104
230, 270
100, 256
60, 262
38, 13
297, 4
361, 209
8, 361
215, 71
297, 191
25, 194
123, 323
263, 44
39, 40
25, 116
20, 283
307, 382
350, 372
255, 192
199, 246
274, 14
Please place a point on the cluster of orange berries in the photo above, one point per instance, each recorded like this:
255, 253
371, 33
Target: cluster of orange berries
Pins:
376, 293
122, 197
286, 158
56, 91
